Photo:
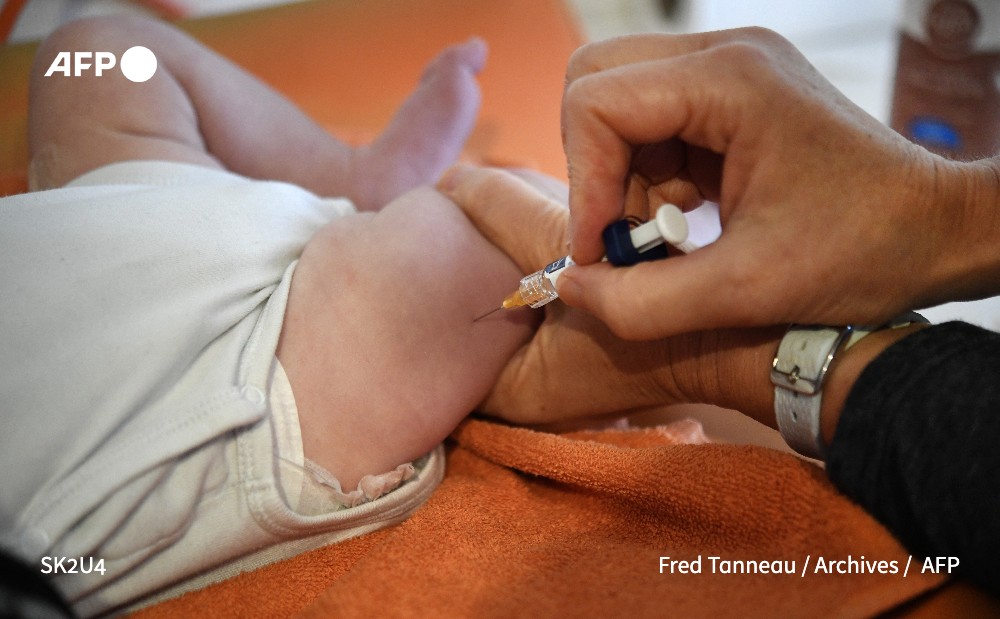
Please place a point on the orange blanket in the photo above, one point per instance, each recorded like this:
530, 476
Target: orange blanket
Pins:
576, 525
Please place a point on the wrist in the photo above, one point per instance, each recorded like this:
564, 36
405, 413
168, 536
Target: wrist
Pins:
731, 369
847, 368
728, 368
965, 231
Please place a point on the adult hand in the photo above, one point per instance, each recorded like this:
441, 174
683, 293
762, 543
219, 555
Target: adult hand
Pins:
574, 367
827, 215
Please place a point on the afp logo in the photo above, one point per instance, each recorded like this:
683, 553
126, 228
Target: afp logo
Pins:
138, 63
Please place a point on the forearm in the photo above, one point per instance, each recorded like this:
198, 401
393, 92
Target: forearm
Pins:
909, 417
916, 446
731, 369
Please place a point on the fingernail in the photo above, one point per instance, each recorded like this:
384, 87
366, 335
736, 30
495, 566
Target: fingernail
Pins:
452, 177
568, 287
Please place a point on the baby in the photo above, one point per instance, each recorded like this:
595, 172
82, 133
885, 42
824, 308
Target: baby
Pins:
227, 337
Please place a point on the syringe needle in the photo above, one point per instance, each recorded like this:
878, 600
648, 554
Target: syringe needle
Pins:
492, 311
514, 299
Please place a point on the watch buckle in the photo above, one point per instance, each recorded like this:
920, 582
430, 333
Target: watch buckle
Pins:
793, 379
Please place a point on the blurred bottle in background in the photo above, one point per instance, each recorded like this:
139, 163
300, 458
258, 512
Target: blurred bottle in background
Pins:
946, 94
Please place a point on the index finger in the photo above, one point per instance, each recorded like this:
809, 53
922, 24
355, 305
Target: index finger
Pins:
604, 116
643, 90
598, 157
601, 55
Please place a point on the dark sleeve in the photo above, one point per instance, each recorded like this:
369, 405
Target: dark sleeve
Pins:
918, 446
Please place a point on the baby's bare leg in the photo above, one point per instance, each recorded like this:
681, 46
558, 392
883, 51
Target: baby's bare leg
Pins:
379, 343
200, 108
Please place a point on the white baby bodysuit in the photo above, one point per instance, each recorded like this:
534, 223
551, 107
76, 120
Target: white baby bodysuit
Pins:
140, 315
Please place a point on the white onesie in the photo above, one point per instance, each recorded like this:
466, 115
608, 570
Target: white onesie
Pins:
146, 424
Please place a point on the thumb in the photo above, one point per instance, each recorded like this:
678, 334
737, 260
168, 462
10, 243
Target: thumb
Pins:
526, 224
702, 290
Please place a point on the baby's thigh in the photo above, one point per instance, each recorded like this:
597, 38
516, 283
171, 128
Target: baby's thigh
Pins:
379, 340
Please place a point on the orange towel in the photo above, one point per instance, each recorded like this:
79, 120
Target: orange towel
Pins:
575, 525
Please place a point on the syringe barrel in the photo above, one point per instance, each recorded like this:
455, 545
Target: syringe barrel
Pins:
539, 288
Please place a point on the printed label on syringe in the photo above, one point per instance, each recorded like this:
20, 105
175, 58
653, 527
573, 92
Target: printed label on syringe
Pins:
558, 265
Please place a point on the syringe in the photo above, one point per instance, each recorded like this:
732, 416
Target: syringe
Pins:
624, 246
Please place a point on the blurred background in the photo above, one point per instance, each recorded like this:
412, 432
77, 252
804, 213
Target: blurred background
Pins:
852, 42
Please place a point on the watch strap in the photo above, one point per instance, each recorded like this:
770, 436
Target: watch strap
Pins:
798, 420
798, 371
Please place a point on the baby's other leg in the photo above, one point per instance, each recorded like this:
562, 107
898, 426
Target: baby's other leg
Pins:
428, 131
378, 342
200, 108
79, 123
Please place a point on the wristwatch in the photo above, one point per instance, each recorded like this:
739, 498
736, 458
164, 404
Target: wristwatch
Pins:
799, 368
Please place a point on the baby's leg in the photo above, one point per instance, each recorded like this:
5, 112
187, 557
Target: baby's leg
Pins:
200, 108
378, 342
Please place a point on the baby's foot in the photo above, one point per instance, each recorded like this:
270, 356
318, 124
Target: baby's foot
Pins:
428, 131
